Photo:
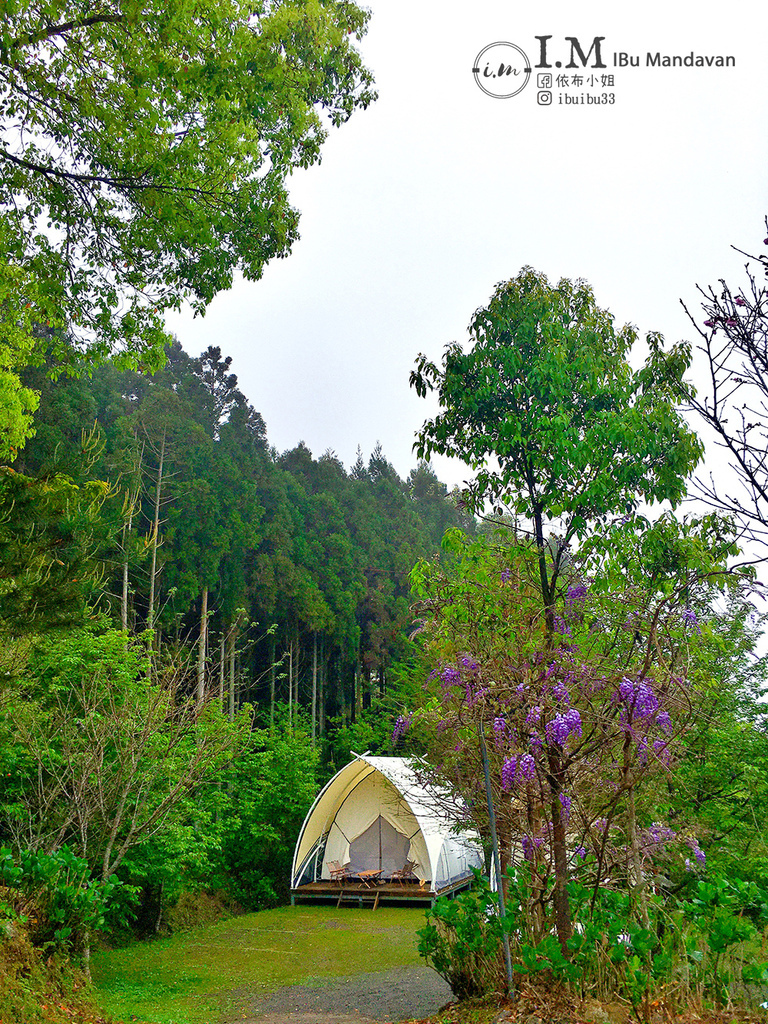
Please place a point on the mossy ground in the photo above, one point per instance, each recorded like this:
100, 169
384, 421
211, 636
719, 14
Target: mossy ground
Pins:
195, 977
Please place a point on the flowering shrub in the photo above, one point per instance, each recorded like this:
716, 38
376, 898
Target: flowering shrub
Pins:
585, 707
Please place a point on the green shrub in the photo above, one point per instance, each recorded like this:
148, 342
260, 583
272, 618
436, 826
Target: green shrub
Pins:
462, 941
54, 896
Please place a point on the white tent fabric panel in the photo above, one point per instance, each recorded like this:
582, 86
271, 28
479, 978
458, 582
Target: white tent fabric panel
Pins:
322, 811
371, 798
381, 847
370, 788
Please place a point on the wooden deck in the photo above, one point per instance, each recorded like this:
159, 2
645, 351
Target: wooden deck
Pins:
354, 891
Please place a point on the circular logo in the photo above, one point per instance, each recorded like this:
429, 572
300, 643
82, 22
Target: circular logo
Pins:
501, 70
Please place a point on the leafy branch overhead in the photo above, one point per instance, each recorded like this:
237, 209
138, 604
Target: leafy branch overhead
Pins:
144, 154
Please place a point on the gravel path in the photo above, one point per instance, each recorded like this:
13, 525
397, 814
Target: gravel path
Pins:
375, 998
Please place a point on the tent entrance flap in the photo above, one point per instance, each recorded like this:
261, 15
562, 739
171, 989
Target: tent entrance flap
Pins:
380, 847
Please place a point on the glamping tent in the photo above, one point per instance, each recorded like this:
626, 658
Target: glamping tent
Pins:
375, 816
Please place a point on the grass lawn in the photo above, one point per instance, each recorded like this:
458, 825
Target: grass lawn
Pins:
194, 977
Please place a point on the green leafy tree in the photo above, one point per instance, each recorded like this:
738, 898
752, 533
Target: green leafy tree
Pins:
270, 787
547, 410
54, 538
144, 158
101, 754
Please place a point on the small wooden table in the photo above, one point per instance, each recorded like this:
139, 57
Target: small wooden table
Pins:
370, 878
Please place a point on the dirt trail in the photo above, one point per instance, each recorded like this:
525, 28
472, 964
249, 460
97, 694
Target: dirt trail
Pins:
402, 993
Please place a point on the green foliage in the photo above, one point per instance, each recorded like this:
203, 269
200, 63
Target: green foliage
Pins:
682, 948
371, 731
547, 411
462, 941
268, 789
546, 392
54, 535
320, 558
103, 746
145, 154
54, 895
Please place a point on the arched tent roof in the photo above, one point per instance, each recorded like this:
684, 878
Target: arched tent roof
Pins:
376, 808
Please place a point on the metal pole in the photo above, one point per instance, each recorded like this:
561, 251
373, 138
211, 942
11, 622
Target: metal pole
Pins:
496, 862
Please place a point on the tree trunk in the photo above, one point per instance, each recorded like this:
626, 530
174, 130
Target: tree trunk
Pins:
340, 694
222, 667
290, 682
546, 591
272, 675
296, 665
202, 647
560, 900
636, 864
87, 954
155, 533
323, 684
358, 711
124, 593
314, 688
133, 500
232, 652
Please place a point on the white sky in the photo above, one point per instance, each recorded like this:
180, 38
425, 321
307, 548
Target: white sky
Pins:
425, 201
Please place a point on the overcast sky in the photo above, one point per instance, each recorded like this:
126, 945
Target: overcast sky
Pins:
425, 201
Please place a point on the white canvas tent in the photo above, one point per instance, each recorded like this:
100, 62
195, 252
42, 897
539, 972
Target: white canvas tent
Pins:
375, 815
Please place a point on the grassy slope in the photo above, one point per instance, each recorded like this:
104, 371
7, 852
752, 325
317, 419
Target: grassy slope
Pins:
192, 978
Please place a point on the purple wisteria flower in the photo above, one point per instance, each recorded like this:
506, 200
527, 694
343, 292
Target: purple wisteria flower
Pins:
576, 594
646, 701
560, 693
638, 696
698, 853
659, 833
561, 726
506, 575
499, 726
516, 771
508, 772
573, 718
534, 716
450, 676
689, 619
473, 695
664, 721
626, 689
401, 727
565, 804
527, 766
561, 626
